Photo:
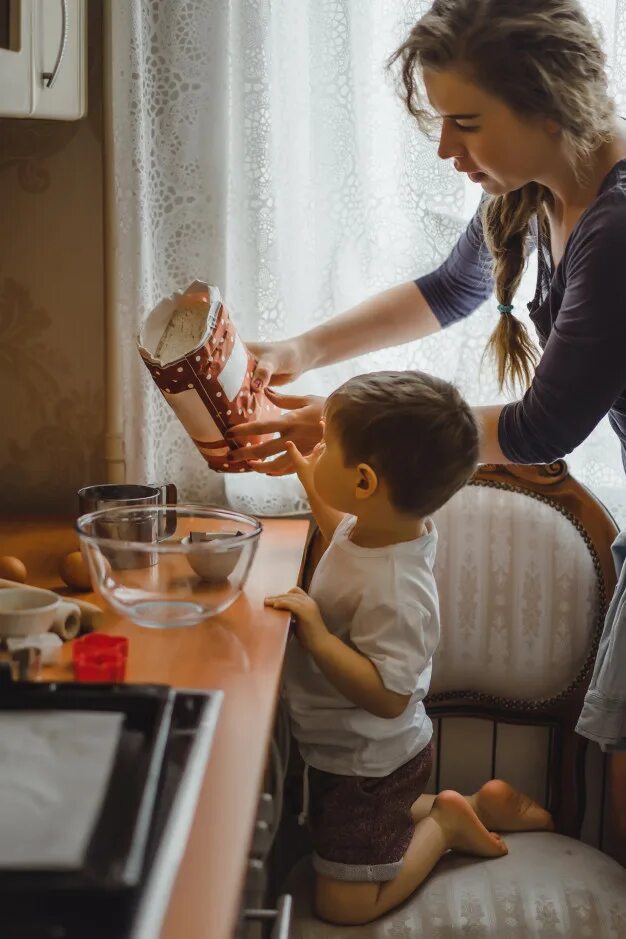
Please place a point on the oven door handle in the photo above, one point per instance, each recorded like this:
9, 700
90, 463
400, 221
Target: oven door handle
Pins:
49, 78
281, 916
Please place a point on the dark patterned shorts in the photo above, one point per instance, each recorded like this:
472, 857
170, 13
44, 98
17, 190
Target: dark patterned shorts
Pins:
361, 825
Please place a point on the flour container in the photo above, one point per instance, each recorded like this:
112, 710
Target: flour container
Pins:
199, 363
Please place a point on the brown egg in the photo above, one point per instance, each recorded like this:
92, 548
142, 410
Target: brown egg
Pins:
74, 571
12, 569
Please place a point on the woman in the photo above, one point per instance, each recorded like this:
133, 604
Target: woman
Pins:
520, 90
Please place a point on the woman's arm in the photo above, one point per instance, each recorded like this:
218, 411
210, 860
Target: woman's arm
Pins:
582, 372
396, 316
390, 318
488, 418
403, 313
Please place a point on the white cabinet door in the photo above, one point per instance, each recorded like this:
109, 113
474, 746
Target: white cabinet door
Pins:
43, 72
16, 58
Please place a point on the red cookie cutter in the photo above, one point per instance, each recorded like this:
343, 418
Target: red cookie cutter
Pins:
100, 657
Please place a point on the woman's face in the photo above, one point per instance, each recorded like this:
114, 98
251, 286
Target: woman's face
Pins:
494, 145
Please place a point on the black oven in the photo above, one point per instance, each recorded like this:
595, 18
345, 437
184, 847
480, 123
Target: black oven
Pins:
121, 888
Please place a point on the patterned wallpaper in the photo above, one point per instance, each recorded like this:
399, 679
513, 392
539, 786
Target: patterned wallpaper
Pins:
51, 303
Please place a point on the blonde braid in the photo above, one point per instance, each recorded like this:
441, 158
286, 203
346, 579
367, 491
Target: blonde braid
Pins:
506, 225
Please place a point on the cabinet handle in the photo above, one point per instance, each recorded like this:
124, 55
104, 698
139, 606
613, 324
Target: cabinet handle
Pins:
49, 78
281, 916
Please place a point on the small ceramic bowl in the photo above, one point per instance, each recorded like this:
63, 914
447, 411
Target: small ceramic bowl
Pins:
214, 565
27, 612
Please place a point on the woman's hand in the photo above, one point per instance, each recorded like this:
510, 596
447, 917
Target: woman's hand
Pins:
278, 363
310, 627
301, 424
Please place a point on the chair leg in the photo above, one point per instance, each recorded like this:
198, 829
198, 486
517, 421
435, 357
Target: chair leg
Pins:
617, 797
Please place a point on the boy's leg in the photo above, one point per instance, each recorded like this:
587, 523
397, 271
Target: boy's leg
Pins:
451, 824
499, 806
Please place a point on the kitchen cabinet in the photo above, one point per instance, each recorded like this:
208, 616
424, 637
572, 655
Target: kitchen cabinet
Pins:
43, 59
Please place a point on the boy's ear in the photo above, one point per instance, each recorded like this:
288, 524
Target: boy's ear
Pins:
367, 481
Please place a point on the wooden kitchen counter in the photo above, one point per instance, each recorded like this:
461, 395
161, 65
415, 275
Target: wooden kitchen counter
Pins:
239, 651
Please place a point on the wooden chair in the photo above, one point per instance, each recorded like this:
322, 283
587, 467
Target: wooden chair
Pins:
525, 575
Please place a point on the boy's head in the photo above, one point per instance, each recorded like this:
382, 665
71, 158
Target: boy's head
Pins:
408, 430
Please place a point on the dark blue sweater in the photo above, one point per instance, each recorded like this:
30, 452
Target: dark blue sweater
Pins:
579, 313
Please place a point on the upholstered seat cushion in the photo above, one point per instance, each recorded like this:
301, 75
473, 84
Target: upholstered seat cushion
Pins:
548, 886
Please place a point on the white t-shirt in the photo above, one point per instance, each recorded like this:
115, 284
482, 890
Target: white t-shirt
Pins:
383, 602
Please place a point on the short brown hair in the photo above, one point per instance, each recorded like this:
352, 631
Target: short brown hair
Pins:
414, 430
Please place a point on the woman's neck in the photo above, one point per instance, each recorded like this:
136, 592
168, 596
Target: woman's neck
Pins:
571, 193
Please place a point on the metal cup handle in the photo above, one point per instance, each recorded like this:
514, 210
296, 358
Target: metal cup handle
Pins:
169, 496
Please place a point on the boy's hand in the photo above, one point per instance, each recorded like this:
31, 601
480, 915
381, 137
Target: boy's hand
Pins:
304, 465
310, 627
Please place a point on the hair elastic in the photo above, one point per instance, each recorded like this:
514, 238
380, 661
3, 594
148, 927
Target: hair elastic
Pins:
505, 308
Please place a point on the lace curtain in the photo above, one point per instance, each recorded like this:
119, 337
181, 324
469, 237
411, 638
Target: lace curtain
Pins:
260, 145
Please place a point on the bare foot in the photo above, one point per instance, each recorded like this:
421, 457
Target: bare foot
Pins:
464, 830
503, 808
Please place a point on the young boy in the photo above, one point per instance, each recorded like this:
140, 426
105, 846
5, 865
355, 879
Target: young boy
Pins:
396, 447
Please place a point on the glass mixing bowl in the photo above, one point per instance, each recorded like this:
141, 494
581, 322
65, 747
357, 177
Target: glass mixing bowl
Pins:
168, 565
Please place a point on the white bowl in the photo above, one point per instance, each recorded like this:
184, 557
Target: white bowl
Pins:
27, 612
213, 564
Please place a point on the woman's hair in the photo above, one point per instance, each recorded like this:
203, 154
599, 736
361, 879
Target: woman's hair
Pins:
542, 58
